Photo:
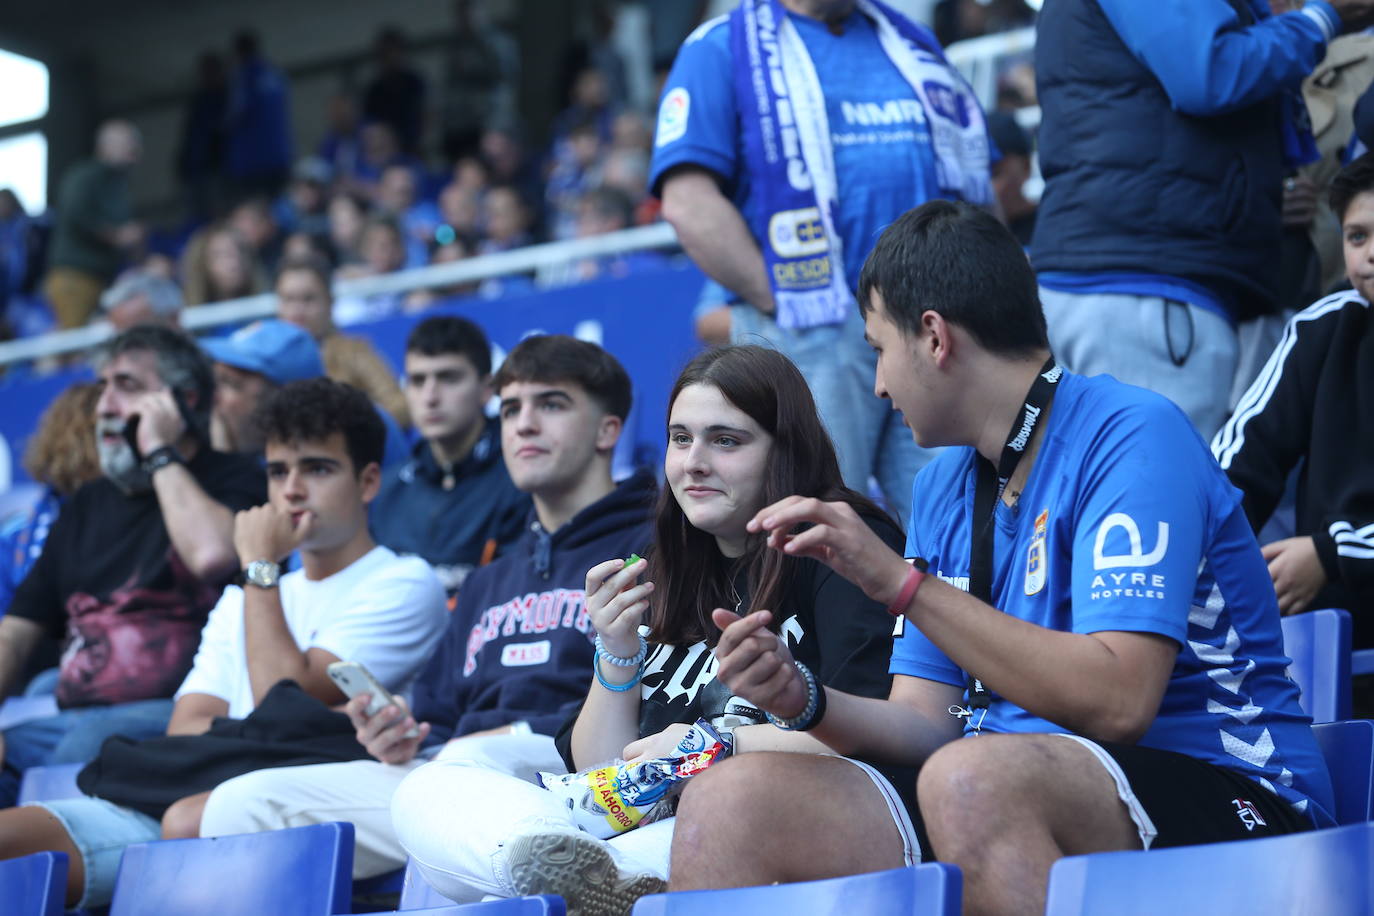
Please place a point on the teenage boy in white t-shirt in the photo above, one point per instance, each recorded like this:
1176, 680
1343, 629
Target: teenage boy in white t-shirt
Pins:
350, 600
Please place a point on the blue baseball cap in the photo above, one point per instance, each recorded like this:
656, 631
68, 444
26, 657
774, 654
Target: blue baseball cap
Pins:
282, 352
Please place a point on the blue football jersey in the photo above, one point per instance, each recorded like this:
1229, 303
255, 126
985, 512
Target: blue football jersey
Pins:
1127, 523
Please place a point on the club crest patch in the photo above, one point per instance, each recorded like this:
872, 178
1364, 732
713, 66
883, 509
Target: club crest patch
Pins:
1036, 556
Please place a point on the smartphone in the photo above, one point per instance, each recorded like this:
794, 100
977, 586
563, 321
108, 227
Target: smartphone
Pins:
352, 678
192, 423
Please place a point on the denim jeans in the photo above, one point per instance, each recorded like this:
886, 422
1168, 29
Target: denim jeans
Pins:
75, 736
871, 441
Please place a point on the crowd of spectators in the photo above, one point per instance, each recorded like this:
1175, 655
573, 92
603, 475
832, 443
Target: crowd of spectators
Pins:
406, 174
915, 294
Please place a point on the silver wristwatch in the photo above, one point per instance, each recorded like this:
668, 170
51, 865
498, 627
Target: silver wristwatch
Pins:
262, 573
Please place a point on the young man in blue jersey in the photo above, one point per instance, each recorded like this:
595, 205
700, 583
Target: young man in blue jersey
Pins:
1084, 592
516, 658
790, 133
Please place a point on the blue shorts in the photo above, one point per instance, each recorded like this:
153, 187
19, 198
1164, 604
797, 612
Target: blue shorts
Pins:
101, 830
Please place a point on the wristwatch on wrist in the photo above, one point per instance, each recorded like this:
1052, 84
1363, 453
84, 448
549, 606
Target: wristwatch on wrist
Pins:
262, 573
159, 458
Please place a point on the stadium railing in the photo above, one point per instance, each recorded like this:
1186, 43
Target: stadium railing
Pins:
540, 260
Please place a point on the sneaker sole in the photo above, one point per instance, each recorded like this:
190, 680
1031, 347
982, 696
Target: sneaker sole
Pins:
579, 870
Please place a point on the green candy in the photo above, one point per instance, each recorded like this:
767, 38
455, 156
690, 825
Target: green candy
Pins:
633, 559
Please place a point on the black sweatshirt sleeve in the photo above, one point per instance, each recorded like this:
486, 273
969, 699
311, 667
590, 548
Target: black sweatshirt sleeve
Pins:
1272, 425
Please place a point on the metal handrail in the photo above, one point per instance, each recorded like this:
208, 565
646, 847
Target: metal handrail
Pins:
529, 259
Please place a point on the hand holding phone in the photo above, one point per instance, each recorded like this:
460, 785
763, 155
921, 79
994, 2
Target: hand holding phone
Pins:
354, 679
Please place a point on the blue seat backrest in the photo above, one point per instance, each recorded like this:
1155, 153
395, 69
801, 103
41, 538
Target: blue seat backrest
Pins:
302, 871
1321, 872
1349, 751
34, 885
50, 783
1318, 642
934, 889
544, 905
416, 892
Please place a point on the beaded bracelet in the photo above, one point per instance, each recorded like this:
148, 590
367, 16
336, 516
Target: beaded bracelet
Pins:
811, 715
633, 661
616, 688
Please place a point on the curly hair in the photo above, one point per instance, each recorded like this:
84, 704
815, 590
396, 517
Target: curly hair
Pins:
62, 452
314, 409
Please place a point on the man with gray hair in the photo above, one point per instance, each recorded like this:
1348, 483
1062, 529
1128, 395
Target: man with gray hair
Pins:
142, 297
95, 224
134, 563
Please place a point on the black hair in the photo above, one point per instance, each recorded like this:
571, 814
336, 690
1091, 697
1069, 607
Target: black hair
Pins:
181, 364
446, 334
313, 263
606, 201
960, 262
1355, 179
559, 358
312, 410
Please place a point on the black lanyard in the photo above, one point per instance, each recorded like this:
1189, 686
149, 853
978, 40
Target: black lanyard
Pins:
987, 490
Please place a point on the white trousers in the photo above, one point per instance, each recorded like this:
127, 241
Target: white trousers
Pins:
359, 792
454, 817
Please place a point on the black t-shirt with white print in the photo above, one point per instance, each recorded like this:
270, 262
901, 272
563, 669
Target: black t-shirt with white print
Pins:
829, 625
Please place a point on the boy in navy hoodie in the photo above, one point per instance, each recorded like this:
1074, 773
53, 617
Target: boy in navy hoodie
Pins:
517, 656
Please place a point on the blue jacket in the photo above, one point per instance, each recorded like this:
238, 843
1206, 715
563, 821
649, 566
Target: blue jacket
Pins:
1161, 139
519, 644
449, 528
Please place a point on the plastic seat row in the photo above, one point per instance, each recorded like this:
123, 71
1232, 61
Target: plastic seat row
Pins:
319, 858
305, 872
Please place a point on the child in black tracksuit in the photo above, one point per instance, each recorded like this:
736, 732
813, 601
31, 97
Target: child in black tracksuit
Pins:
1312, 404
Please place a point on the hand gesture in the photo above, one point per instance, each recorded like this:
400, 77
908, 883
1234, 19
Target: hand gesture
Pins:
384, 735
160, 421
756, 665
266, 533
1297, 572
616, 605
660, 745
1299, 202
838, 538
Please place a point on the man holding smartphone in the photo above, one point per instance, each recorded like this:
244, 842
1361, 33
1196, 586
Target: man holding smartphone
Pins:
517, 656
351, 599
135, 561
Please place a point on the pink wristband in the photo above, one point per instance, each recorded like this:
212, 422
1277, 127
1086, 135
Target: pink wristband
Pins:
913, 582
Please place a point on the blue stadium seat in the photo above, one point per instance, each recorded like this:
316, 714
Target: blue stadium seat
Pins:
1349, 751
416, 893
545, 905
1318, 642
50, 783
303, 871
34, 885
1362, 662
1322, 872
390, 883
933, 889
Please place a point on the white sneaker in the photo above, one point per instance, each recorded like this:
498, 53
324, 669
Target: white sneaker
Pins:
578, 868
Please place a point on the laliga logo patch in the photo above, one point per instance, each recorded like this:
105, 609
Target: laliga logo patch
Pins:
947, 103
672, 117
1035, 555
797, 233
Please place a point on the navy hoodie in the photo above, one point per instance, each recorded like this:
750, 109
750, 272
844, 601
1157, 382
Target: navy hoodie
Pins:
413, 513
519, 643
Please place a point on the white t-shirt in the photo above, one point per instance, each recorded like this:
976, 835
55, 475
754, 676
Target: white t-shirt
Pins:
384, 611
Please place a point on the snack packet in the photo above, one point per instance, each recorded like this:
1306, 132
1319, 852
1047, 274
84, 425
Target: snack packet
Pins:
611, 799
